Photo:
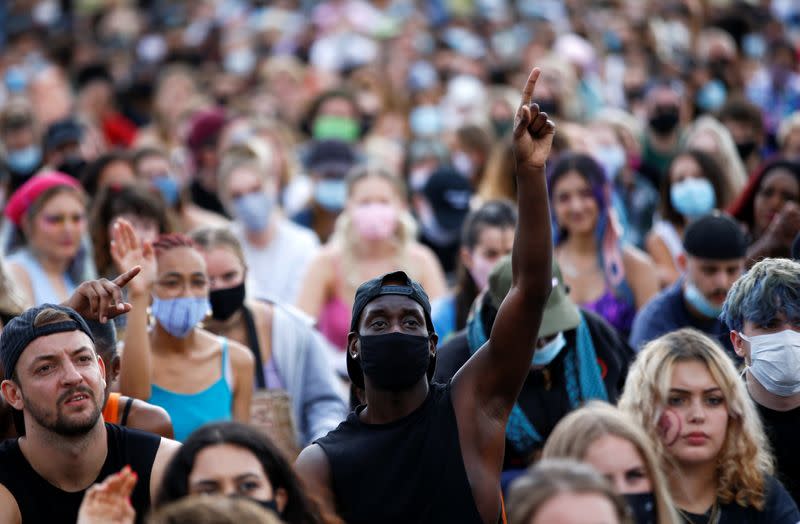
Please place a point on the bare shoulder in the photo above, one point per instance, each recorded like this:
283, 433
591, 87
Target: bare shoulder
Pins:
421, 253
9, 510
150, 418
241, 357
312, 465
636, 260
166, 450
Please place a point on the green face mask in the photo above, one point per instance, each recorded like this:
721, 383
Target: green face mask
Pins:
336, 127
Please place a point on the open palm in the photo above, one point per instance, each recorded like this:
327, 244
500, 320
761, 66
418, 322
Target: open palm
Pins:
109, 501
128, 250
533, 130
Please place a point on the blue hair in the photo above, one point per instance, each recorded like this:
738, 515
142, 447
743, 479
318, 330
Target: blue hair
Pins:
769, 288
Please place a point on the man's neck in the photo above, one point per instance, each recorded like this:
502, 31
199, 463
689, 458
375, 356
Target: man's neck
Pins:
694, 487
261, 239
770, 401
68, 463
387, 406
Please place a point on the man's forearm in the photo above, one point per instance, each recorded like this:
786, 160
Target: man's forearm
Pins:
533, 250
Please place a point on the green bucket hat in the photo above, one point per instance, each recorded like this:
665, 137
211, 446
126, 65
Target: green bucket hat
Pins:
560, 313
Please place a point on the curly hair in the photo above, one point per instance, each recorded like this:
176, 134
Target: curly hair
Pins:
745, 456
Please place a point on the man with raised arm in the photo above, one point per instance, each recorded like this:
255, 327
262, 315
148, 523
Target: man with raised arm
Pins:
430, 453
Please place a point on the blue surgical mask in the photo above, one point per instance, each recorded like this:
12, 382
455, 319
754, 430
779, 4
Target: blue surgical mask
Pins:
331, 194
612, 159
24, 160
547, 353
178, 316
693, 197
168, 188
254, 210
425, 120
698, 301
711, 95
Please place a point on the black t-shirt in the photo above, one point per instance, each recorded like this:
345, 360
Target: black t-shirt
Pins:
409, 470
544, 398
783, 430
779, 508
41, 502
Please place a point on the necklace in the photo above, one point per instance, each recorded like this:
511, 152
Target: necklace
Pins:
712, 519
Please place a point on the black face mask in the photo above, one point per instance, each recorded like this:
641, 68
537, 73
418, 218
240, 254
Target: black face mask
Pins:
73, 166
394, 361
745, 149
643, 507
226, 302
665, 120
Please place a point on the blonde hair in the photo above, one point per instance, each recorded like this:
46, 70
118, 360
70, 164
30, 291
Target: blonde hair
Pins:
730, 162
745, 458
208, 238
552, 477
213, 509
786, 126
498, 181
576, 432
251, 153
11, 302
345, 235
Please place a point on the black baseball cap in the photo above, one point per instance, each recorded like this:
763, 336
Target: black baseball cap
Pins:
449, 194
397, 283
331, 157
715, 236
62, 132
20, 332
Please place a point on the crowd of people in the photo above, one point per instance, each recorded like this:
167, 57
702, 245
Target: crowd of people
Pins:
359, 261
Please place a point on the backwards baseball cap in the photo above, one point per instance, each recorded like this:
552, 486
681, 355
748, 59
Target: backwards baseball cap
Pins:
397, 283
20, 332
715, 236
560, 313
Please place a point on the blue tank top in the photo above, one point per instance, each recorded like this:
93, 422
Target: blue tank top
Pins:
43, 292
189, 411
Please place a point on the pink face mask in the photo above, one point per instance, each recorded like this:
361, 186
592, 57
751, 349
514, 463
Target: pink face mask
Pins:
376, 221
481, 267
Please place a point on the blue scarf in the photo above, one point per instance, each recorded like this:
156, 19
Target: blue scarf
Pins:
583, 378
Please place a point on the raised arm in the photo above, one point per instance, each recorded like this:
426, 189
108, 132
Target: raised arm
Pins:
136, 370
495, 374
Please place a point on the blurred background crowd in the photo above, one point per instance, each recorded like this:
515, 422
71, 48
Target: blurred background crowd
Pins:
261, 159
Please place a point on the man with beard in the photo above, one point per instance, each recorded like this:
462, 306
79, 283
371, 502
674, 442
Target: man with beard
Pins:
715, 254
55, 377
429, 453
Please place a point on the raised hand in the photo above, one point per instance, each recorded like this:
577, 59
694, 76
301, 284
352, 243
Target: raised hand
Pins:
109, 502
127, 251
101, 299
533, 130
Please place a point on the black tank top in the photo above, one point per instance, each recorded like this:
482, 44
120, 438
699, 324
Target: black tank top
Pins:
41, 502
410, 470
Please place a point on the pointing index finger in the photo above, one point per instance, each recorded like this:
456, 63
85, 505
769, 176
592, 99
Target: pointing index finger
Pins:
127, 276
530, 85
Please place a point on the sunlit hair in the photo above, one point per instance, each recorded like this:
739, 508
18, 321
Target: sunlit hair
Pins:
498, 181
770, 287
552, 477
208, 238
346, 236
11, 302
744, 458
251, 153
213, 509
575, 433
733, 171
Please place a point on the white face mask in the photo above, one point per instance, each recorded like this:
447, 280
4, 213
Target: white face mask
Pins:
775, 361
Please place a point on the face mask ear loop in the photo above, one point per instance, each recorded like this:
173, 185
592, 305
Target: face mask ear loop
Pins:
746, 367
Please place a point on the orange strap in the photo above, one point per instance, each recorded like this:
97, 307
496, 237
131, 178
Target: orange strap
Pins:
111, 410
503, 509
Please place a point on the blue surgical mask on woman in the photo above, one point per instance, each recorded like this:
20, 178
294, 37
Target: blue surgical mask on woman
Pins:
254, 210
24, 160
168, 188
693, 197
178, 316
547, 353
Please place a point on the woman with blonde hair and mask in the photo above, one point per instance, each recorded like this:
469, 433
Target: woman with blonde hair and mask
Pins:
609, 440
686, 393
375, 234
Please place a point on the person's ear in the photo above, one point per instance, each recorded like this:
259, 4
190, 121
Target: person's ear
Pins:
116, 363
682, 262
281, 499
102, 365
12, 393
353, 344
433, 339
738, 346
466, 258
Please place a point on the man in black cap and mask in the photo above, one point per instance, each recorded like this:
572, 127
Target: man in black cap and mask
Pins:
430, 453
715, 255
